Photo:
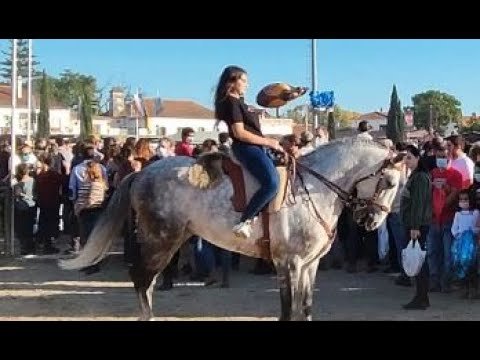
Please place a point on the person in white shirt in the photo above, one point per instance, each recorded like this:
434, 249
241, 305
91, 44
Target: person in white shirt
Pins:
321, 136
460, 161
468, 219
363, 129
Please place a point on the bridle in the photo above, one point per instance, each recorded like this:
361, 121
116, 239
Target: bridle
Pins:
349, 199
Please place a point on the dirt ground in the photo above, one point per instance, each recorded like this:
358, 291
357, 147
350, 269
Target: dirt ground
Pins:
36, 289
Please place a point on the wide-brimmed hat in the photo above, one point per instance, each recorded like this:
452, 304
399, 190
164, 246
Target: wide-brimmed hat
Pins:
278, 94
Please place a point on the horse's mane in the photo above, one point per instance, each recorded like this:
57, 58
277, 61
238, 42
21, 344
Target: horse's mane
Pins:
352, 141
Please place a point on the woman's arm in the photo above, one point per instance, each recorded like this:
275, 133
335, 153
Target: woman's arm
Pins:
419, 193
244, 135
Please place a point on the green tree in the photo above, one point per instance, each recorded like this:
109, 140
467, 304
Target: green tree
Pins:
85, 114
395, 118
43, 124
71, 85
344, 117
22, 61
445, 108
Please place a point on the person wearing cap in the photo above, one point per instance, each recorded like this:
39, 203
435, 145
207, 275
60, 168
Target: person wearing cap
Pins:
363, 129
306, 143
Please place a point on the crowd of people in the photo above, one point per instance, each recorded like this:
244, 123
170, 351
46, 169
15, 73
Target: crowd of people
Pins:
61, 188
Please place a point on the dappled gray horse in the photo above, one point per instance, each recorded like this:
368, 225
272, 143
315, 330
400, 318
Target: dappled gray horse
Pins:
354, 172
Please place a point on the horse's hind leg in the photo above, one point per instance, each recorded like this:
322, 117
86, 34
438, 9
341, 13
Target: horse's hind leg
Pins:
143, 281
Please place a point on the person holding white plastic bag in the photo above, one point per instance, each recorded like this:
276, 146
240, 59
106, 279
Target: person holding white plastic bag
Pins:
416, 215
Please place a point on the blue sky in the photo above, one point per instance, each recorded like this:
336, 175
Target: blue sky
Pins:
361, 72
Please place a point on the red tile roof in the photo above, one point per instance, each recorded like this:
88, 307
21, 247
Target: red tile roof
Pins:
175, 108
373, 116
6, 98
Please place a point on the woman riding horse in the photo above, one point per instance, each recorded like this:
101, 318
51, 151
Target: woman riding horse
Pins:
249, 145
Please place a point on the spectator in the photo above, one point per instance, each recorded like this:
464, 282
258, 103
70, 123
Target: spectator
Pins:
460, 160
130, 143
164, 149
446, 185
291, 145
185, 147
89, 201
95, 141
25, 209
429, 152
26, 157
363, 129
4, 162
143, 153
48, 188
209, 145
40, 146
321, 136
467, 219
416, 216
125, 165
306, 143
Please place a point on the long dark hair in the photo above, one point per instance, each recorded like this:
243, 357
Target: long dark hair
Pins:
416, 152
229, 75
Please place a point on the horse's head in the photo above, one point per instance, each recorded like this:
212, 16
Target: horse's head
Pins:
376, 193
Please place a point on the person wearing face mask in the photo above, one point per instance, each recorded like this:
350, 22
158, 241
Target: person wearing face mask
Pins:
164, 149
467, 219
446, 184
25, 157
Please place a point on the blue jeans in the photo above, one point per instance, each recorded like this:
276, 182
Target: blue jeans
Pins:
398, 232
255, 159
439, 258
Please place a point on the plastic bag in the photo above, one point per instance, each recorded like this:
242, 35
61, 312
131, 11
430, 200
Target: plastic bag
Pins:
464, 253
383, 245
412, 258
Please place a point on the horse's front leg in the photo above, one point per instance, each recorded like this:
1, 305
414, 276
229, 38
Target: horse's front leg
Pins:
283, 276
308, 275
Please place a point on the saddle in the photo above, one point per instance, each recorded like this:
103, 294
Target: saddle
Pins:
234, 170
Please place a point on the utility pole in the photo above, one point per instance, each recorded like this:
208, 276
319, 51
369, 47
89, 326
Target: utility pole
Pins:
13, 145
314, 79
29, 95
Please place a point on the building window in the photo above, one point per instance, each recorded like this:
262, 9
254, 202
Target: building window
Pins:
201, 129
23, 116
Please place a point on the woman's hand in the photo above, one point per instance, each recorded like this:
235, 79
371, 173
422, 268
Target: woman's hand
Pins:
414, 234
274, 144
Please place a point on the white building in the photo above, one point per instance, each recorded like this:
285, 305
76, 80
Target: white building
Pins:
377, 120
173, 116
60, 116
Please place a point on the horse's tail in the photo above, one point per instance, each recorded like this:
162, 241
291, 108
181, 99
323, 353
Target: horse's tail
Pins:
106, 230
